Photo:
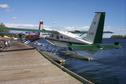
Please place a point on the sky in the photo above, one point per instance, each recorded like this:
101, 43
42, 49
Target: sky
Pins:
63, 14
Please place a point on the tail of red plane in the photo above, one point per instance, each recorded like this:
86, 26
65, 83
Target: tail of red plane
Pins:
40, 25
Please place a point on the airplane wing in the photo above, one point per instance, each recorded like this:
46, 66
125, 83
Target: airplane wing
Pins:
26, 29
84, 32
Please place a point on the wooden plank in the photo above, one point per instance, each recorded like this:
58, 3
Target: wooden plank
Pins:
30, 67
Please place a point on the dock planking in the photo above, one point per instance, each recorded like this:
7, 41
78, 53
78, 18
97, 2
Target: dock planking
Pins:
30, 67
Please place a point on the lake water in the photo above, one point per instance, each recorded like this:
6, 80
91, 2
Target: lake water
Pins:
108, 66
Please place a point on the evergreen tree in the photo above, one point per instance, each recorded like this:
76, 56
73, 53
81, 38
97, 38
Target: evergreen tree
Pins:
3, 28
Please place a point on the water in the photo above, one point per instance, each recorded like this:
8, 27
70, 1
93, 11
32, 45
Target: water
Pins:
108, 66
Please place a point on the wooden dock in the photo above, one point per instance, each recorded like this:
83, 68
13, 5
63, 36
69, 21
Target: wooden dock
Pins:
28, 66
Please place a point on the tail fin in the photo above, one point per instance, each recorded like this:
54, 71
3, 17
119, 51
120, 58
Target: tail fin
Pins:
95, 32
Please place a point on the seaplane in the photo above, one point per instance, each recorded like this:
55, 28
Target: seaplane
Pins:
92, 41
94, 35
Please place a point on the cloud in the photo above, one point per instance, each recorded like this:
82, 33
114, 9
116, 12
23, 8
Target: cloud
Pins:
117, 30
27, 26
68, 28
21, 25
120, 30
4, 6
13, 18
83, 28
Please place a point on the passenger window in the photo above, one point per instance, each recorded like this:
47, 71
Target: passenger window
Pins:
57, 37
51, 35
61, 36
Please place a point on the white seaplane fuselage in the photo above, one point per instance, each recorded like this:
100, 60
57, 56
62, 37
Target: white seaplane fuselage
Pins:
63, 37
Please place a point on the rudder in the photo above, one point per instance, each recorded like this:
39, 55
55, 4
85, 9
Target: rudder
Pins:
95, 32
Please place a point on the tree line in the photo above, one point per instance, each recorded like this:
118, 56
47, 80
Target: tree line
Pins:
119, 36
3, 28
